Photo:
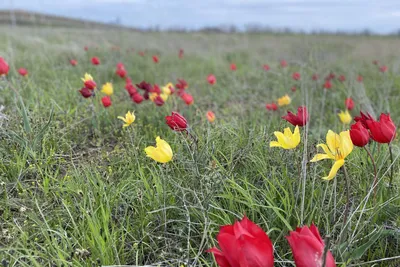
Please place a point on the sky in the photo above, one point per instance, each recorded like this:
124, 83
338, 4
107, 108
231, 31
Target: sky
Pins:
380, 16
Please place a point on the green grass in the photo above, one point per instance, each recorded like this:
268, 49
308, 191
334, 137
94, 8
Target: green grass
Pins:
78, 190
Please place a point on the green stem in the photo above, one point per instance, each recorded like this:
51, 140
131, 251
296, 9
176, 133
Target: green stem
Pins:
375, 172
391, 166
326, 249
347, 207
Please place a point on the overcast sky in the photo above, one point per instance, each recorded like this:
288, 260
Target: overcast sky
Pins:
380, 16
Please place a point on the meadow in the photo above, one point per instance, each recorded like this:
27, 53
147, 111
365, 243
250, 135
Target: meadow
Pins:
77, 189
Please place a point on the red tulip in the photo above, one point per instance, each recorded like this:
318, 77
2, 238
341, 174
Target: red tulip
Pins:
382, 131
73, 62
120, 65
266, 67
23, 72
121, 72
90, 84
296, 76
308, 248
359, 134
95, 61
375, 62
314, 77
383, 68
233, 66
141, 53
342, 78
300, 119
271, 106
144, 86
85, 92
176, 122
156, 89
182, 84
106, 100
211, 79
86, 48
159, 101
328, 84
131, 89
330, 76
360, 78
283, 63
137, 98
188, 98
363, 119
155, 59
294, 88
180, 55
243, 244
4, 68
349, 103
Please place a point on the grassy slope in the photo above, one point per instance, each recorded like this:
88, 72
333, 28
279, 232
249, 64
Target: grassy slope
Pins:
77, 189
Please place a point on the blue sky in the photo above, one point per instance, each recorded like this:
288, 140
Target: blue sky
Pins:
381, 16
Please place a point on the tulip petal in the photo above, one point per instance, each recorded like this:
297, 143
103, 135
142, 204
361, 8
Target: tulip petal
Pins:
219, 257
333, 141
326, 150
121, 118
346, 145
274, 144
319, 157
287, 132
336, 166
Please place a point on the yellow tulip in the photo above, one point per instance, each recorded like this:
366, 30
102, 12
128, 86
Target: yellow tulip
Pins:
107, 89
164, 96
284, 100
129, 118
153, 96
87, 77
338, 147
161, 153
345, 117
287, 139
166, 89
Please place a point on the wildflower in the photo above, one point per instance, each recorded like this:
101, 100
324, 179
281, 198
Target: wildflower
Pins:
129, 118
121, 72
159, 101
315, 77
271, 106
89, 82
106, 100
131, 89
284, 100
360, 78
382, 131
4, 68
308, 248
168, 89
359, 134
375, 62
266, 67
363, 118
328, 84
23, 72
107, 89
176, 122
86, 48
211, 79
85, 92
137, 98
95, 61
300, 119
345, 117
296, 76
155, 59
337, 148
342, 78
161, 153
182, 84
210, 116
294, 88
180, 55
349, 103
283, 64
383, 69
144, 86
243, 244
188, 98
287, 139
73, 62
233, 66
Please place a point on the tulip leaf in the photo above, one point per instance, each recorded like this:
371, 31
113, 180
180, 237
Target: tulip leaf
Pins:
360, 250
27, 125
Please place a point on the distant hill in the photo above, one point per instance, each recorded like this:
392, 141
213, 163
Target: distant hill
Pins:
27, 18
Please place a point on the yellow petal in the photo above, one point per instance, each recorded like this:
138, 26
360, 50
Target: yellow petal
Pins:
287, 132
319, 157
333, 141
336, 166
296, 136
326, 150
274, 144
346, 145
121, 118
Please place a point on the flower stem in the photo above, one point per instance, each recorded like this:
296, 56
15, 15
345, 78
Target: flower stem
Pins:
347, 207
391, 166
326, 249
375, 173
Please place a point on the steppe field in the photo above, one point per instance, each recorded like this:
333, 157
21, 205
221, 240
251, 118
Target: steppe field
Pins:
78, 189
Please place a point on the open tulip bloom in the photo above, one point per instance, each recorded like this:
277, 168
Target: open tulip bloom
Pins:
129, 119
299, 119
162, 152
287, 139
337, 148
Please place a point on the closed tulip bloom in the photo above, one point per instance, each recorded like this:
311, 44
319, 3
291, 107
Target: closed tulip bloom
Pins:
164, 97
131, 89
284, 100
359, 134
155, 59
349, 103
271, 106
283, 63
168, 89
89, 82
107, 89
211, 79
129, 118
296, 76
294, 88
73, 62
287, 139
159, 101
243, 244
181, 52
337, 148
360, 78
176, 122
121, 72
300, 119
23, 72
95, 61
327, 84
162, 152
314, 77
382, 131
137, 98
152, 96
363, 118
266, 67
210, 116
345, 117
85, 92
4, 68
383, 69
342, 78
182, 84
233, 66
106, 100
308, 248
188, 98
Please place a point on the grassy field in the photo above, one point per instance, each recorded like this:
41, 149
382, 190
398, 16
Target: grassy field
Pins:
76, 189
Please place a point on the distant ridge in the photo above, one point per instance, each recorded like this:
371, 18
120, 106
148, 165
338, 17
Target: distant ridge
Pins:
28, 18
